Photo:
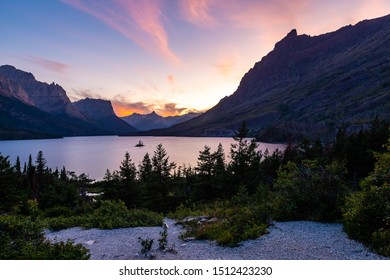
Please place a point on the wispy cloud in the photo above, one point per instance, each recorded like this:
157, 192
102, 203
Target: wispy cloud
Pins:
171, 80
171, 109
198, 12
138, 20
47, 63
226, 64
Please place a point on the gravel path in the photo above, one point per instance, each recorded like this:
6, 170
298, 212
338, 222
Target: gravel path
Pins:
286, 241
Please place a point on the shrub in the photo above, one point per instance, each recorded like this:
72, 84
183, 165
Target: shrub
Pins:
229, 222
367, 213
23, 238
310, 190
114, 214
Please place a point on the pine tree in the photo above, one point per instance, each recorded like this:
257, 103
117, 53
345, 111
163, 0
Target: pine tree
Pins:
245, 160
219, 165
41, 173
161, 167
18, 167
127, 170
31, 180
157, 187
206, 162
128, 189
10, 192
145, 169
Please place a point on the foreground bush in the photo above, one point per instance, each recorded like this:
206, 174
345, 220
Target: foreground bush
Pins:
111, 214
23, 238
227, 222
367, 213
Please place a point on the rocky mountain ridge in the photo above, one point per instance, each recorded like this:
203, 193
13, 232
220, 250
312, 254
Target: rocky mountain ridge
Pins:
307, 87
34, 109
144, 122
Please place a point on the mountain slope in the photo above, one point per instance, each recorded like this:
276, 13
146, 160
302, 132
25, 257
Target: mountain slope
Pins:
155, 121
50, 98
19, 120
32, 109
102, 113
307, 86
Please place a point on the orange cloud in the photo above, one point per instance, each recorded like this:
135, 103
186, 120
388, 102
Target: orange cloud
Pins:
198, 12
171, 109
123, 109
171, 80
48, 64
225, 66
138, 20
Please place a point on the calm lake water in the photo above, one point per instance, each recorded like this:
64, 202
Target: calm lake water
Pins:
94, 155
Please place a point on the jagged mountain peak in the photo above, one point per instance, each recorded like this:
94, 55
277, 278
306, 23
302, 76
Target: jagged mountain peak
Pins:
307, 86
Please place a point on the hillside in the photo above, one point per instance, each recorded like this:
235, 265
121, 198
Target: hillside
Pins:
307, 86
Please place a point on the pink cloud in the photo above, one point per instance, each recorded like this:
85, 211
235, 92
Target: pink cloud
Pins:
198, 12
171, 80
138, 20
226, 64
48, 64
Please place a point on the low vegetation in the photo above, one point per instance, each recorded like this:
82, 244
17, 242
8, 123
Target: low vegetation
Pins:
345, 181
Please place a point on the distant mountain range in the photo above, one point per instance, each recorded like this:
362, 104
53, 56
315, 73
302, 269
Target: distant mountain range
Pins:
307, 87
32, 109
155, 121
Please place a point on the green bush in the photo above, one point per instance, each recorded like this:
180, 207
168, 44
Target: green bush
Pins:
367, 212
114, 214
23, 238
229, 223
310, 191
110, 214
58, 211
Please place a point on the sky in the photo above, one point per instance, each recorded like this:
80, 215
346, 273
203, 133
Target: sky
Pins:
167, 56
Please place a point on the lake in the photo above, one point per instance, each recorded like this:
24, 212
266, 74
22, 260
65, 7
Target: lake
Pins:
94, 155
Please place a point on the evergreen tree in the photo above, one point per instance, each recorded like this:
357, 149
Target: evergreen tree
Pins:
10, 192
157, 187
145, 169
127, 170
219, 165
161, 167
41, 173
245, 160
63, 174
18, 167
206, 161
31, 180
128, 189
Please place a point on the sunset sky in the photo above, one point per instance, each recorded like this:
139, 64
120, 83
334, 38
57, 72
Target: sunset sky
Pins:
171, 56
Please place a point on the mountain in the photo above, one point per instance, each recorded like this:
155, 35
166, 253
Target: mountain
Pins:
33, 109
50, 98
102, 113
155, 121
307, 86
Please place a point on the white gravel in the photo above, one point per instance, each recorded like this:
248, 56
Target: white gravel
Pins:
300, 240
